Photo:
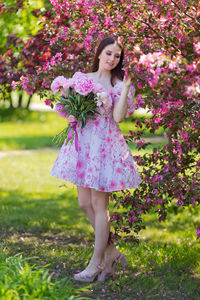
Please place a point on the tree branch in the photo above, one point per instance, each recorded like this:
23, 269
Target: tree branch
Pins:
185, 12
159, 36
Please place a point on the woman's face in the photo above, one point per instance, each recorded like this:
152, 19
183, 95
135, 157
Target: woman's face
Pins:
109, 57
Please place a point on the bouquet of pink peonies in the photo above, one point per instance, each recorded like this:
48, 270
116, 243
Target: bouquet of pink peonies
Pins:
81, 98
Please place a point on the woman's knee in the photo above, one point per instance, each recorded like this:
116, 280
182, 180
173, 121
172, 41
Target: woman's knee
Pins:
99, 200
84, 198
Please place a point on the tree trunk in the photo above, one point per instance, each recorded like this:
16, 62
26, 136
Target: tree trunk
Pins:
28, 102
20, 100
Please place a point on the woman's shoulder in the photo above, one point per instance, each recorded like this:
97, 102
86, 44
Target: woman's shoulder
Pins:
79, 74
90, 74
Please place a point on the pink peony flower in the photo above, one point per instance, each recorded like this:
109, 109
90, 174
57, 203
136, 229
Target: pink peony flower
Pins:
61, 113
82, 83
59, 83
68, 83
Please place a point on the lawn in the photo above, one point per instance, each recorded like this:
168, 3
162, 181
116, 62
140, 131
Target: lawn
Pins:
35, 130
44, 233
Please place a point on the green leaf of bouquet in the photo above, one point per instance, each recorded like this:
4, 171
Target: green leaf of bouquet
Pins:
68, 110
91, 117
66, 101
71, 98
62, 109
67, 92
59, 139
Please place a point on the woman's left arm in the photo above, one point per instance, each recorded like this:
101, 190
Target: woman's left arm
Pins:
120, 107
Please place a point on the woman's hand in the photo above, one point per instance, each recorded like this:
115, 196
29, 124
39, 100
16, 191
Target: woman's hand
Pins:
71, 119
127, 81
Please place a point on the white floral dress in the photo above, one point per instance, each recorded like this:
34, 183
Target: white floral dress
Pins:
103, 160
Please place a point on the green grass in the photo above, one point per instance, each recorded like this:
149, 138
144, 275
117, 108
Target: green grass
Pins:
40, 220
45, 237
35, 130
19, 280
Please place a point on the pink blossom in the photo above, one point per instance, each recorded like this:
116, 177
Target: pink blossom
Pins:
13, 85
115, 216
140, 143
157, 177
197, 47
198, 232
166, 168
47, 102
139, 85
158, 119
172, 65
193, 202
47, 66
57, 57
191, 68
180, 202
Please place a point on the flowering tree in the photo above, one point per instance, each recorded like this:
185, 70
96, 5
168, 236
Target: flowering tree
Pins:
16, 22
162, 53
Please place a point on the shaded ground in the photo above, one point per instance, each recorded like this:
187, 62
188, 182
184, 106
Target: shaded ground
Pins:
64, 255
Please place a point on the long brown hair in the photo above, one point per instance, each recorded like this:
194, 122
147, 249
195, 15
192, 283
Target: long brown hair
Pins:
117, 72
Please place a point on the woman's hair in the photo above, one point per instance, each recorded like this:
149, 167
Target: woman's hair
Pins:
117, 72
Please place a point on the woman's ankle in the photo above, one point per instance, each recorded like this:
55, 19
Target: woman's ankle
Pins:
95, 261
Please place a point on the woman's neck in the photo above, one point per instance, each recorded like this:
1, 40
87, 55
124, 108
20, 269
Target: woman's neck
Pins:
106, 74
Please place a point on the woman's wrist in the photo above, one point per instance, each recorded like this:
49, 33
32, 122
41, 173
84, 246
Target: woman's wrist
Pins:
125, 88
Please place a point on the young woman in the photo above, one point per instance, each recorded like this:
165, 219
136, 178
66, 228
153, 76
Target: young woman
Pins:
103, 163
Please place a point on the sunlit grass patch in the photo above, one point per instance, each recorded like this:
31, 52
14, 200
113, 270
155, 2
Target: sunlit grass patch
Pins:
35, 129
20, 280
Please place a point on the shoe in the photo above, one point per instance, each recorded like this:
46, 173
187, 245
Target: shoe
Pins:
88, 276
110, 269
122, 260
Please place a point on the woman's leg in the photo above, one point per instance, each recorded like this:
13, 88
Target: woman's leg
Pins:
85, 203
101, 222
95, 205
100, 204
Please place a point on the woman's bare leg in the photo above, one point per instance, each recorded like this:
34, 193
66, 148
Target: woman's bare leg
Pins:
100, 201
85, 203
90, 207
